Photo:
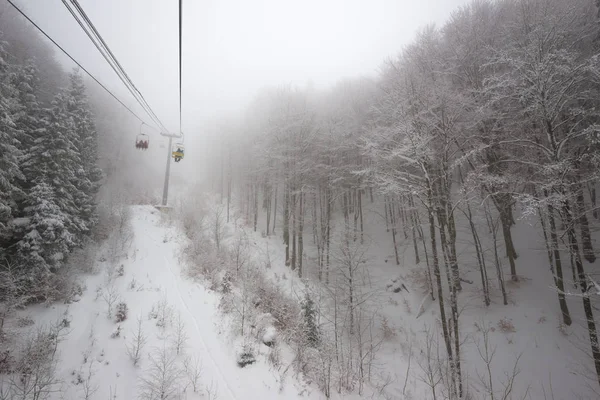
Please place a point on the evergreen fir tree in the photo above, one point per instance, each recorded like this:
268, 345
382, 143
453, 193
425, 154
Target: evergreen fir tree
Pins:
309, 317
55, 158
29, 119
86, 140
9, 153
45, 240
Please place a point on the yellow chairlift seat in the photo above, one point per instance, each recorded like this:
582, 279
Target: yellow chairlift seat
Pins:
178, 152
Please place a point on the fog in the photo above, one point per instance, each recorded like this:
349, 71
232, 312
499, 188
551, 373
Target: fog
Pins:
232, 48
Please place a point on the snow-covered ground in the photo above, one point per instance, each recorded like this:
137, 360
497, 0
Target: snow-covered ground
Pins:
152, 282
553, 360
551, 356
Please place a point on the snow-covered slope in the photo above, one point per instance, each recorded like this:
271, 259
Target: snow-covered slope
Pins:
548, 359
152, 285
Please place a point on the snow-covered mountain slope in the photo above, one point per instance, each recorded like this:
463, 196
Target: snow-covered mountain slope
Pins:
527, 337
150, 281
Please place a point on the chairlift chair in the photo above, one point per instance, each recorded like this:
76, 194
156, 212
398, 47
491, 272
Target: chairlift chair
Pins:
178, 151
142, 141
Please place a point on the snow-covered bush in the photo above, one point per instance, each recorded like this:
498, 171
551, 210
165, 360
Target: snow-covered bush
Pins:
180, 336
271, 299
110, 295
193, 371
116, 333
162, 379
245, 355
121, 313
137, 343
36, 364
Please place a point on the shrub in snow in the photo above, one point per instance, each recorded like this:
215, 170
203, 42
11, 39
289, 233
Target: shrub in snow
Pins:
387, 331
121, 314
22, 322
6, 361
226, 282
162, 312
132, 284
274, 356
180, 336
310, 330
75, 293
265, 329
193, 371
269, 336
506, 325
116, 333
121, 270
245, 356
110, 295
396, 285
162, 379
36, 364
272, 300
138, 341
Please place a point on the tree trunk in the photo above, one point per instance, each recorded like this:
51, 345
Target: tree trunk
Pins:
393, 223
480, 258
293, 217
584, 226
355, 212
438, 277
268, 208
385, 208
300, 233
328, 234
403, 217
592, 190
255, 207
275, 207
229, 173
360, 210
493, 227
557, 271
583, 282
413, 229
286, 222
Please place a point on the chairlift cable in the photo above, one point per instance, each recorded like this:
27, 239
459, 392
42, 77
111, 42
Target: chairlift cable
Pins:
180, 76
74, 60
105, 51
114, 62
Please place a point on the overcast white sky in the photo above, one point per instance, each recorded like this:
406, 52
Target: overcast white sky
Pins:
232, 48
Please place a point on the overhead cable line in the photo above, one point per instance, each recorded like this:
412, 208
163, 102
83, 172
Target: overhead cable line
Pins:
88, 27
73, 59
180, 35
98, 47
112, 60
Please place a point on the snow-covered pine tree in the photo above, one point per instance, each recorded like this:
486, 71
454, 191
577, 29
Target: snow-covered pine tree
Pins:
29, 118
310, 330
86, 140
9, 153
45, 239
55, 158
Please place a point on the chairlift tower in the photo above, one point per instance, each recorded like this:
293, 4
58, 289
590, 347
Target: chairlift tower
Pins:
168, 168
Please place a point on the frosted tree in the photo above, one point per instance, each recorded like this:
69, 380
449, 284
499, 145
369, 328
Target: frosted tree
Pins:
85, 139
29, 118
9, 152
45, 239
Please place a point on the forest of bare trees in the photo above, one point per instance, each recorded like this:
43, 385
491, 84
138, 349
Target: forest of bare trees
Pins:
487, 119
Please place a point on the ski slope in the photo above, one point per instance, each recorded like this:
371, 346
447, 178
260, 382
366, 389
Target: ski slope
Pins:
153, 265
